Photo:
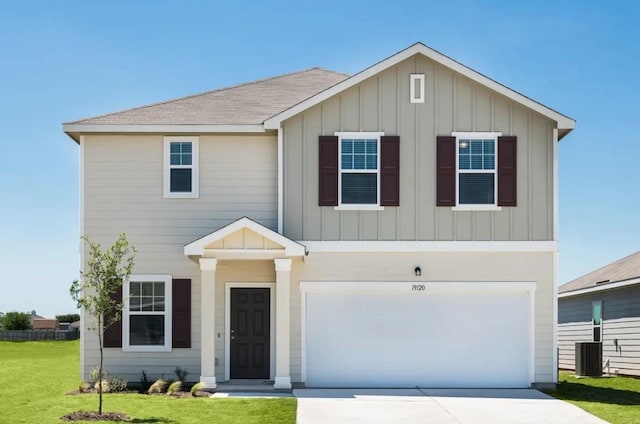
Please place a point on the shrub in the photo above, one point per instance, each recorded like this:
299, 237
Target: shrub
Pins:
145, 383
181, 373
174, 387
116, 384
158, 386
16, 321
105, 386
110, 383
68, 318
198, 387
84, 387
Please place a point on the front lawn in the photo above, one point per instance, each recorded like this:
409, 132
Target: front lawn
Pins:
34, 377
614, 399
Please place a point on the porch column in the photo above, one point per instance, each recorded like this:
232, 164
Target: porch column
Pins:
283, 306
208, 321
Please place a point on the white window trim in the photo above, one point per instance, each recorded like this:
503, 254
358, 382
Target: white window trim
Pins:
355, 206
168, 306
481, 207
594, 326
419, 96
195, 168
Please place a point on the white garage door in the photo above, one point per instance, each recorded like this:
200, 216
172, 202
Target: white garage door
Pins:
408, 335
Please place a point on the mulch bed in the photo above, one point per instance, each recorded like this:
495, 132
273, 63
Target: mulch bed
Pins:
199, 393
94, 416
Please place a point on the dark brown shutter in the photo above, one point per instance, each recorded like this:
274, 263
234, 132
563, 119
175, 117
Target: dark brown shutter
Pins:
390, 170
507, 171
181, 312
328, 170
113, 334
445, 171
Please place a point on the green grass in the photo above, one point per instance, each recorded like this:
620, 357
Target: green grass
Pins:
34, 377
614, 399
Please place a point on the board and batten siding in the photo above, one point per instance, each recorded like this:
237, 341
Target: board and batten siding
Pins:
620, 321
123, 186
453, 103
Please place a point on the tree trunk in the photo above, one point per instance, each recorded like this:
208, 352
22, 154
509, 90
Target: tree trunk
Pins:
100, 333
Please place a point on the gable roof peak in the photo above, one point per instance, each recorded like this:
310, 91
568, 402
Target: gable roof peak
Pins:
565, 123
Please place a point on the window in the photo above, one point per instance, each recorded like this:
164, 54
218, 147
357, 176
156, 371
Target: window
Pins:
181, 167
416, 88
476, 179
146, 313
359, 164
596, 315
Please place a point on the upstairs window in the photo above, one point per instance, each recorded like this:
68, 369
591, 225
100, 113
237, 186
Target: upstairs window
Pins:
359, 170
476, 171
359, 164
181, 167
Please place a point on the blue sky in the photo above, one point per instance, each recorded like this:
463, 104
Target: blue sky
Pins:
60, 61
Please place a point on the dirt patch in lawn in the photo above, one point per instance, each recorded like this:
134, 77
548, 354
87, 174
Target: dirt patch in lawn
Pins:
94, 416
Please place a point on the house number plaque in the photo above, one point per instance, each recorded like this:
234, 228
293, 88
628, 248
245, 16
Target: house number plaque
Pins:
418, 287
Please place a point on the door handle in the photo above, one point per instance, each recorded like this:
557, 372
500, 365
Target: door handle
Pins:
233, 338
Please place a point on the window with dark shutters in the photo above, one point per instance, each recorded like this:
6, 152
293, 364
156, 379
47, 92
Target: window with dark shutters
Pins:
507, 171
181, 313
328, 171
390, 170
113, 333
446, 171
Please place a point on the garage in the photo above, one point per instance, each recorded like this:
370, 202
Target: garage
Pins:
399, 334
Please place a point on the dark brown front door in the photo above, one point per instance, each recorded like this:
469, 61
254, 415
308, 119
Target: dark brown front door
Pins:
250, 333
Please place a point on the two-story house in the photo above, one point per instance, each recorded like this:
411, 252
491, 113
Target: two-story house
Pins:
393, 228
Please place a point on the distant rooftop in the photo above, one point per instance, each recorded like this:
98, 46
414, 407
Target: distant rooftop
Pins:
623, 269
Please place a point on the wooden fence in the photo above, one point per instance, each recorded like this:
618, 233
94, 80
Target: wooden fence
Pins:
35, 335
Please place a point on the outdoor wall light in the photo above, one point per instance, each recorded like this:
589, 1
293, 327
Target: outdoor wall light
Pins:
418, 271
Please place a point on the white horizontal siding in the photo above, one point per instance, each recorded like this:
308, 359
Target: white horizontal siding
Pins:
625, 359
124, 193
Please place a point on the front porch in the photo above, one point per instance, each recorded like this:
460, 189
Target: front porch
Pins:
245, 351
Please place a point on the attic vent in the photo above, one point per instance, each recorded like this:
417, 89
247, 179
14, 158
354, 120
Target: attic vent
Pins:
602, 282
417, 88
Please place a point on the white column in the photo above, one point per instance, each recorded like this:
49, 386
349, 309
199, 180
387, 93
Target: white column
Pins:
283, 306
208, 321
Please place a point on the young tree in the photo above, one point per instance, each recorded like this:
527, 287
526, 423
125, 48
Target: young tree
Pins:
16, 321
104, 274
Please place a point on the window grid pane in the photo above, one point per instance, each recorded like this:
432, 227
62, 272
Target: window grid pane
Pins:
181, 153
361, 154
476, 154
146, 296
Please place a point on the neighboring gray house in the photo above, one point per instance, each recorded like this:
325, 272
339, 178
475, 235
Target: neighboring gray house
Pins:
393, 228
603, 306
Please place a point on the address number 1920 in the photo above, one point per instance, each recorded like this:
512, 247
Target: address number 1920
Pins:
418, 287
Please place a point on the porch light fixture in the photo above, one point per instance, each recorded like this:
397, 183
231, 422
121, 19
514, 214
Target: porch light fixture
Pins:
418, 271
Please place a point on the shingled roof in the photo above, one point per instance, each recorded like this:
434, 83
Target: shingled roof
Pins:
623, 269
245, 104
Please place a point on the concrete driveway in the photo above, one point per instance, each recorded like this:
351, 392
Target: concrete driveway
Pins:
455, 406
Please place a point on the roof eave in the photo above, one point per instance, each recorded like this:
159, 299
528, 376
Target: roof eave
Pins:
75, 130
599, 288
564, 123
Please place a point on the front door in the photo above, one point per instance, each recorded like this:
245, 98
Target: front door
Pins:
250, 335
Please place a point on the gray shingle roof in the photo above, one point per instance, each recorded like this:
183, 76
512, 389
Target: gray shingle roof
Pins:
245, 104
620, 270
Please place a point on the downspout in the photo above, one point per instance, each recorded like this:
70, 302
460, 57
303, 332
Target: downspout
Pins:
555, 363
280, 179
